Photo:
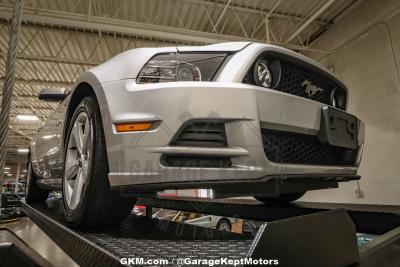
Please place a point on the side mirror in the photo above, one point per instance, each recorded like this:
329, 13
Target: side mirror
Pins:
52, 94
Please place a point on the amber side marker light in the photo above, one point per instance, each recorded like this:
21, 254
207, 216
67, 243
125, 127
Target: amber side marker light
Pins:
133, 126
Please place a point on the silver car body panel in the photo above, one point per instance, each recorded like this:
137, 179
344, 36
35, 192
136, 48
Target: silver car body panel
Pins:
134, 157
209, 221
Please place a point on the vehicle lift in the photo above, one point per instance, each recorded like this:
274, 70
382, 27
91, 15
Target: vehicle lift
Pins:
297, 234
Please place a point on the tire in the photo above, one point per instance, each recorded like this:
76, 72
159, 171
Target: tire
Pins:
34, 194
96, 205
224, 225
281, 199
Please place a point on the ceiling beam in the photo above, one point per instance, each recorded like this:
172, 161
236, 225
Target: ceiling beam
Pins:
19, 105
20, 133
264, 12
272, 10
40, 82
54, 59
75, 21
221, 15
312, 18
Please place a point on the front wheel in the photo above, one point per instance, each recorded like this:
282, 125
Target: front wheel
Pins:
88, 199
281, 199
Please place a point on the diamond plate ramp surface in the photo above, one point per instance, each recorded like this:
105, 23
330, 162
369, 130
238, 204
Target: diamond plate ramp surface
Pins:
137, 237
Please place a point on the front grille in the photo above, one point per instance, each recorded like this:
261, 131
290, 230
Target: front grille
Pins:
291, 148
199, 134
293, 77
202, 134
297, 77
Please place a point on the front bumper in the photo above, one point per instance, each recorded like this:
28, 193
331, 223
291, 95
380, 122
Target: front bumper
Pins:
134, 158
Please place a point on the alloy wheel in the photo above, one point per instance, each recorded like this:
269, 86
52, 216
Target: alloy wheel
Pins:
224, 226
78, 155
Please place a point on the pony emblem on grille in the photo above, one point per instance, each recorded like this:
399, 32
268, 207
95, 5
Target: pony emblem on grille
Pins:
311, 89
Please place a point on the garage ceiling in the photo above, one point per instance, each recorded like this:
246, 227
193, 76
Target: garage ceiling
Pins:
60, 39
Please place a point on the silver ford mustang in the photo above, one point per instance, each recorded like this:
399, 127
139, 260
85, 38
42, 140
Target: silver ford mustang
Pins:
240, 118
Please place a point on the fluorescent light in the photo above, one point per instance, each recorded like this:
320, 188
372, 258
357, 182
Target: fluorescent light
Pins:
6, 172
24, 170
7, 168
47, 136
27, 117
22, 150
9, 174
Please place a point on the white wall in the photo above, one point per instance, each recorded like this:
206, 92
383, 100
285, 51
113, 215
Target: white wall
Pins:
365, 47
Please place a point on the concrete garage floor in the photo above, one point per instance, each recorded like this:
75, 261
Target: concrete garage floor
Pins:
28, 231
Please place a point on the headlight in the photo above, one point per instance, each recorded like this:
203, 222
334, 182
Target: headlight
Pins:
181, 67
187, 72
338, 99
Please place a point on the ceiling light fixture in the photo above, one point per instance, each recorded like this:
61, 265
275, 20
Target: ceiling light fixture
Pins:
27, 117
22, 150
47, 136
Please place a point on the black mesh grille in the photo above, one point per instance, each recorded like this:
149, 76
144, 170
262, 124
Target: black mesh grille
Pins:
196, 161
293, 77
299, 78
283, 147
203, 134
199, 134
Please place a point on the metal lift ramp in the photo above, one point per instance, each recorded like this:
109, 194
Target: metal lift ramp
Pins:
299, 234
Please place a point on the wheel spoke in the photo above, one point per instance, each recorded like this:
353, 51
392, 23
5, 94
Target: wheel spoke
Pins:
85, 167
86, 136
78, 136
77, 189
71, 172
263, 72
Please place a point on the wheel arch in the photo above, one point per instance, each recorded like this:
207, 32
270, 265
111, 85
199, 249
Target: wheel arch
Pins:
88, 85
82, 90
